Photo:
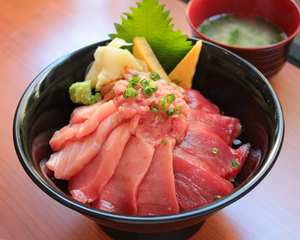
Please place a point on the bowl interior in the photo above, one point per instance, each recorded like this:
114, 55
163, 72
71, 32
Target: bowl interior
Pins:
226, 79
200, 10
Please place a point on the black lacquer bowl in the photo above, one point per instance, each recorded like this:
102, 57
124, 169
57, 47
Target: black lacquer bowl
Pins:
238, 88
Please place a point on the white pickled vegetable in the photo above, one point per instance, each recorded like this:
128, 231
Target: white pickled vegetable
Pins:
110, 62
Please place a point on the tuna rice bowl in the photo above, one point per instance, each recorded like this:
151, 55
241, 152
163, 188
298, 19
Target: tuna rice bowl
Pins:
146, 147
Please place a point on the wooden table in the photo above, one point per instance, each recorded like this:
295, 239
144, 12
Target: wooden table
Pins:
35, 33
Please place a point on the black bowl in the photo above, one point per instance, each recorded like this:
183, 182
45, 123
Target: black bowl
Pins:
238, 88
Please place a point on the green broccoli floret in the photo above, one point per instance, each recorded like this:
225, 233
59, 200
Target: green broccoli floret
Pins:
81, 92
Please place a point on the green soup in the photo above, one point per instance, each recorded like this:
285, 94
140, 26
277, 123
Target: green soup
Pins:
241, 31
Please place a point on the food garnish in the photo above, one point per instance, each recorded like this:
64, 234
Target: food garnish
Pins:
214, 150
235, 164
150, 21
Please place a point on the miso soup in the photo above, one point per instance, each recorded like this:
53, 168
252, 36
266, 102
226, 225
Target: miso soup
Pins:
241, 31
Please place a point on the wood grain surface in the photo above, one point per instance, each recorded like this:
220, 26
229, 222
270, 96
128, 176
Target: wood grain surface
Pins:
35, 33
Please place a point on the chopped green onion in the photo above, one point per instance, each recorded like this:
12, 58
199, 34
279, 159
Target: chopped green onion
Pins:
170, 112
153, 84
172, 95
144, 81
154, 76
169, 100
234, 37
135, 79
125, 95
214, 150
131, 92
179, 110
235, 164
217, 197
161, 100
162, 117
177, 139
98, 96
154, 108
154, 89
91, 102
176, 81
164, 142
135, 74
132, 82
147, 91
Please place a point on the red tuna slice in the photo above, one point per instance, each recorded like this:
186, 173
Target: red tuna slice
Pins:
227, 128
156, 195
195, 186
198, 101
82, 113
88, 184
201, 143
120, 193
76, 154
79, 130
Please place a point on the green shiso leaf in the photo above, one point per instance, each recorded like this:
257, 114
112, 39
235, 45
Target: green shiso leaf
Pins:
150, 20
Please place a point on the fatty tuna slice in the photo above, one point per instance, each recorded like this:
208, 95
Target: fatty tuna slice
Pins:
76, 154
120, 193
82, 113
212, 150
59, 160
198, 101
92, 144
88, 184
156, 195
227, 128
195, 186
79, 130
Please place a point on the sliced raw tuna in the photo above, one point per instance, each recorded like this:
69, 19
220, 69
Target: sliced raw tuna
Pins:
92, 144
88, 184
212, 150
156, 195
227, 128
76, 154
120, 193
79, 130
82, 113
195, 186
198, 101
59, 160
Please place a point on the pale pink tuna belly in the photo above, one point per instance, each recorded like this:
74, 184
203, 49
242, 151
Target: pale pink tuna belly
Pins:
71, 159
59, 160
88, 184
82, 113
92, 145
202, 143
156, 195
77, 131
120, 193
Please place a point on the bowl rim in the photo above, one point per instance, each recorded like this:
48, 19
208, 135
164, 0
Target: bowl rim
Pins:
71, 203
236, 48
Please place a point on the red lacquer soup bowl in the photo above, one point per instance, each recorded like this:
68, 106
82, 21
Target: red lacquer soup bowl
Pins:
226, 79
283, 13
